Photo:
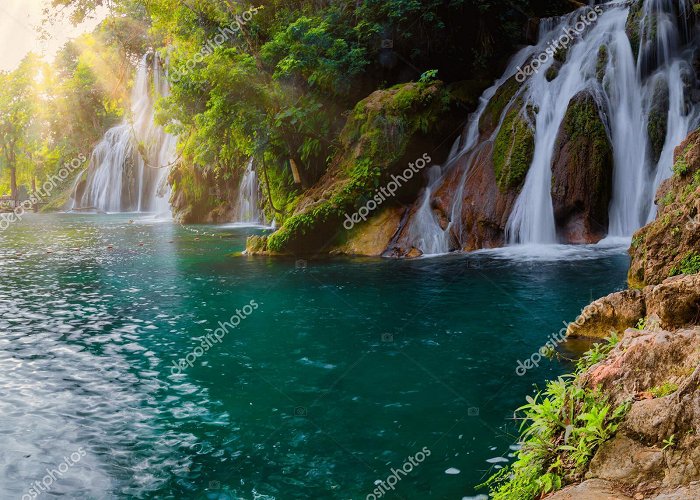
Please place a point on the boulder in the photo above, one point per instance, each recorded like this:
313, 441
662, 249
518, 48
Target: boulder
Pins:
615, 312
582, 170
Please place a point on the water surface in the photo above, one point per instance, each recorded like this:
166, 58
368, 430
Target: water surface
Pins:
347, 368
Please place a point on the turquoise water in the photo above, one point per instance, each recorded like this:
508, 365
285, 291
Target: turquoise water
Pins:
346, 369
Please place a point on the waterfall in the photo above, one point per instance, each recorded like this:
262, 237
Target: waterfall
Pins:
627, 93
646, 78
129, 167
248, 209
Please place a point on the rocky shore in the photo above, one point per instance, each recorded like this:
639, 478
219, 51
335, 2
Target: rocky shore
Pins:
627, 424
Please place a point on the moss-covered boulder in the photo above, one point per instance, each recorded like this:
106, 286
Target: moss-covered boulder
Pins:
199, 197
602, 62
658, 119
497, 104
513, 148
634, 25
670, 245
582, 170
385, 133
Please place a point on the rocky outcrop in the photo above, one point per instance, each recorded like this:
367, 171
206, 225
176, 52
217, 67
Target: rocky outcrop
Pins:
386, 133
673, 303
199, 197
372, 238
671, 244
582, 173
637, 395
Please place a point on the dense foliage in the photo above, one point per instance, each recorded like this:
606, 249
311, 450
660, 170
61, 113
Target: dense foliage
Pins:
279, 85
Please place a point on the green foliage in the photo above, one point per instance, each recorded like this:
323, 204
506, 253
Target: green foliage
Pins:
690, 264
641, 324
562, 428
664, 389
681, 166
670, 442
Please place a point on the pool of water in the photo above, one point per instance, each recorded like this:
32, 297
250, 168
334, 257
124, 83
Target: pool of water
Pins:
328, 375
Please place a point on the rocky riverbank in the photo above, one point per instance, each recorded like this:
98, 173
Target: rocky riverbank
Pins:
627, 424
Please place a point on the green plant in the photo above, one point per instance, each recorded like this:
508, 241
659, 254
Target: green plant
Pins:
690, 264
598, 352
641, 324
670, 442
562, 428
664, 389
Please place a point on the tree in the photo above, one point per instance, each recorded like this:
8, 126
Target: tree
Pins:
17, 111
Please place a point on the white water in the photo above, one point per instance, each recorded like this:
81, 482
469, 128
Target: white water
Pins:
248, 209
625, 98
128, 169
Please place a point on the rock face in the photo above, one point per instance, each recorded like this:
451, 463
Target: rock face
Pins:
655, 368
385, 134
671, 244
616, 312
582, 173
198, 197
372, 238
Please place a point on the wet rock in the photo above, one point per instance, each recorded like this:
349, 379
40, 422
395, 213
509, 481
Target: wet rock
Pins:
616, 312
582, 169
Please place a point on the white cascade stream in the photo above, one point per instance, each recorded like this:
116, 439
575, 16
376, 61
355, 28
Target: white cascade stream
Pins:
129, 168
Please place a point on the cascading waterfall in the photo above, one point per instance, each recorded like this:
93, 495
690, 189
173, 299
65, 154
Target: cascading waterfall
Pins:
640, 85
248, 209
129, 168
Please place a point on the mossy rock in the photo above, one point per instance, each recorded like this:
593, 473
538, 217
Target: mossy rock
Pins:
383, 133
658, 119
552, 72
513, 149
602, 62
633, 26
494, 109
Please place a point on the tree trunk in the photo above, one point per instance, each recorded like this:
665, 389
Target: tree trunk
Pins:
296, 172
13, 186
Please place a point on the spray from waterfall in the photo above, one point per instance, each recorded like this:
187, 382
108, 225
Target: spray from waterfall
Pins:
129, 167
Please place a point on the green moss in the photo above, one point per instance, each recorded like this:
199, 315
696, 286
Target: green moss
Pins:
513, 151
375, 137
664, 389
589, 141
690, 264
494, 109
561, 54
658, 119
602, 62
632, 27
552, 73
667, 199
